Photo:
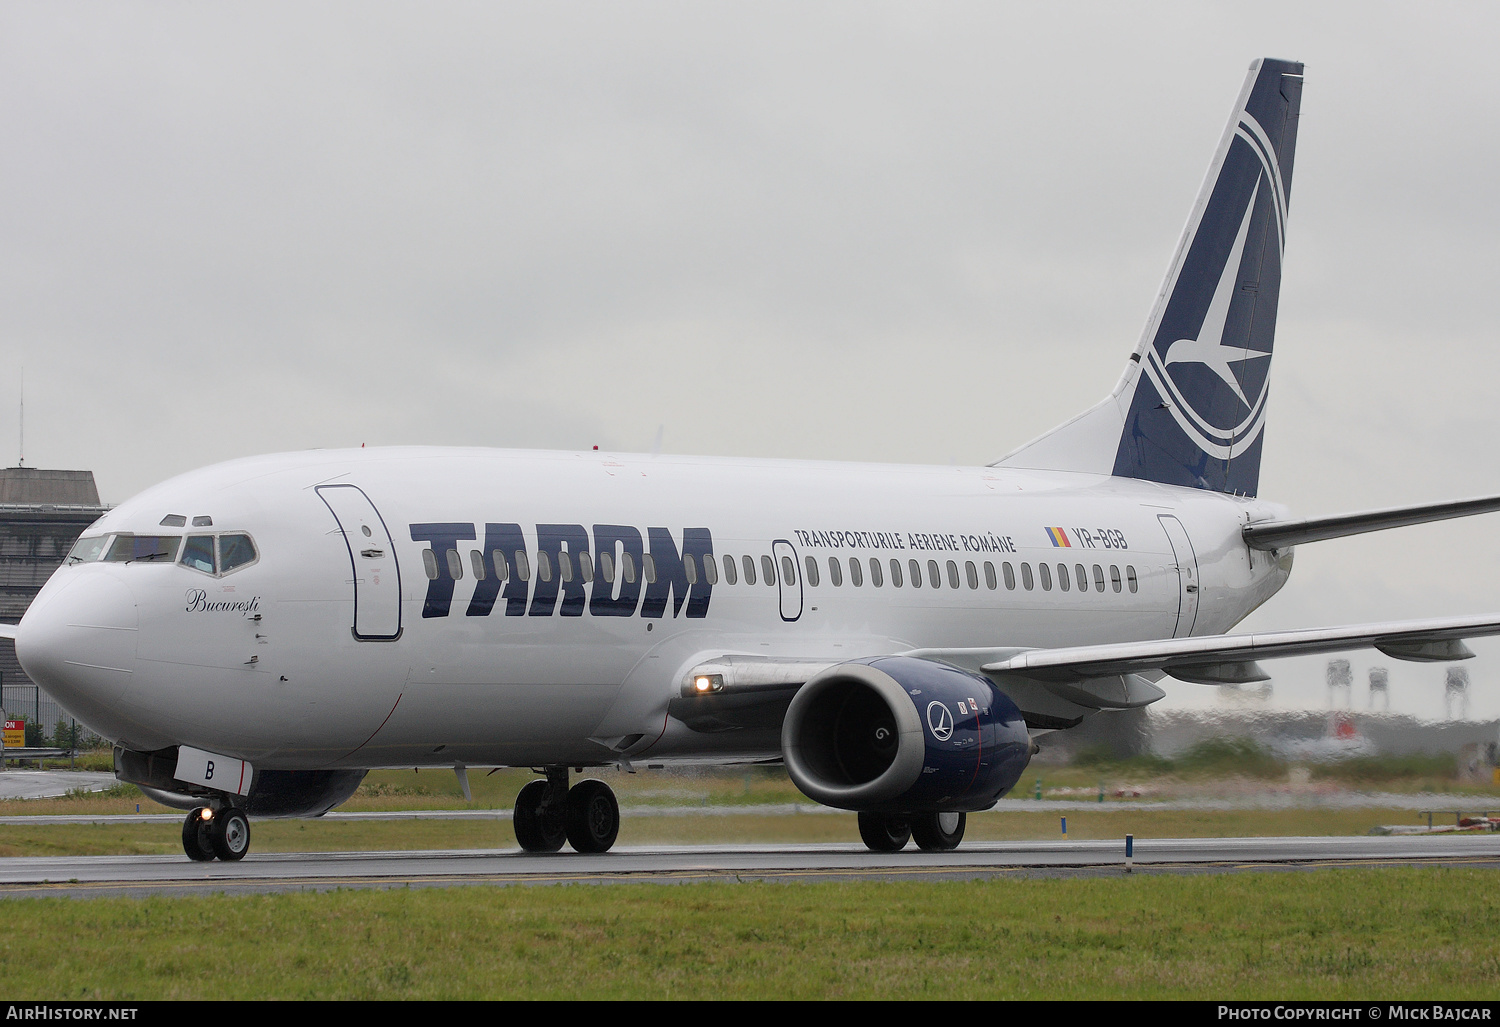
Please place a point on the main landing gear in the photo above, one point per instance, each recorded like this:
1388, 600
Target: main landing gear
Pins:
549, 813
934, 832
209, 833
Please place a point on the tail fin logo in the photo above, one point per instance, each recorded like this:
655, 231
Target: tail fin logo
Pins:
1221, 344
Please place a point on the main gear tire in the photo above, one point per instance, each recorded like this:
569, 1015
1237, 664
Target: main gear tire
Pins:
540, 825
938, 832
885, 832
593, 820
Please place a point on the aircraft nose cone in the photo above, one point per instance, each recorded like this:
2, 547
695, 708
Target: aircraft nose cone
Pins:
78, 642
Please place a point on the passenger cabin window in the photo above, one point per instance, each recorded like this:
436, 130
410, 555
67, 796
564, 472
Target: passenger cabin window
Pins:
972, 573
835, 572
1046, 575
523, 566
565, 565
952, 574
1026, 576
934, 576
502, 569
731, 575
711, 569
429, 564
455, 565
749, 562
1062, 576
875, 578
916, 573
1114, 577
1010, 576
476, 564
1083, 577
648, 568
895, 573
769, 567
812, 570
856, 573
1130, 577
585, 566
627, 568
1098, 578
989, 575
788, 570
690, 568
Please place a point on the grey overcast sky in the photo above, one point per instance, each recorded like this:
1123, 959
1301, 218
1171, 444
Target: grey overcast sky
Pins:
915, 232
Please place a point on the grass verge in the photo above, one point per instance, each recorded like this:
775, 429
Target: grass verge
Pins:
1334, 934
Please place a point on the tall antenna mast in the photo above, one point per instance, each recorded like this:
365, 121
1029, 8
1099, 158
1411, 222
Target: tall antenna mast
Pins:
22, 461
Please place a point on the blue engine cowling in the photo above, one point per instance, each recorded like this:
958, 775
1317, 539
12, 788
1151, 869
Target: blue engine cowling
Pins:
896, 734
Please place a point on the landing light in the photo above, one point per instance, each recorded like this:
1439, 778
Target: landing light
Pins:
703, 684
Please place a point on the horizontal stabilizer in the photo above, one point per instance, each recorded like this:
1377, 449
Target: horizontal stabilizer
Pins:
1214, 658
8, 630
1281, 534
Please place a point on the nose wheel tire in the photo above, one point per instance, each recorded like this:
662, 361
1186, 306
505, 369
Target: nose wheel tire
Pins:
230, 834
540, 825
196, 839
938, 832
593, 819
884, 832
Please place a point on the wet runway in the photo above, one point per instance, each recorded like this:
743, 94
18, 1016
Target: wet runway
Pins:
672, 864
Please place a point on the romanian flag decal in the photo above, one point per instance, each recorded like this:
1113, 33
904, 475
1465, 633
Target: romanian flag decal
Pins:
1059, 538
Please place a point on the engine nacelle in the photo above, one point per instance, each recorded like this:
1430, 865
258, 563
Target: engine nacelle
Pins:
897, 734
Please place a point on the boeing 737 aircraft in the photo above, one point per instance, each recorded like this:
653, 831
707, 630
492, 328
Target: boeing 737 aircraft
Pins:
255, 636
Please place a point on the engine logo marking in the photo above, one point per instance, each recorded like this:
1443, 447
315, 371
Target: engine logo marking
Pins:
939, 721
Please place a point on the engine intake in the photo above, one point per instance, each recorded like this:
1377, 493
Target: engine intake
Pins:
900, 734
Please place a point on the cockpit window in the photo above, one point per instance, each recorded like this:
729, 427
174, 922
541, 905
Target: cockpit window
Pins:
198, 553
129, 548
87, 550
235, 551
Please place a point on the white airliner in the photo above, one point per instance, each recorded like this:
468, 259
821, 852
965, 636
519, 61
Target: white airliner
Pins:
255, 636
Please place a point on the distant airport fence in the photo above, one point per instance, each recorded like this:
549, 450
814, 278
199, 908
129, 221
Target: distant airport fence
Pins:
47, 724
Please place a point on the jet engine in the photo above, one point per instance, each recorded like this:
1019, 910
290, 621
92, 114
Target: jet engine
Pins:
897, 734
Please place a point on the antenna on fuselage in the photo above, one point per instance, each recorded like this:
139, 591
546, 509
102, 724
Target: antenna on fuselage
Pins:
21, 461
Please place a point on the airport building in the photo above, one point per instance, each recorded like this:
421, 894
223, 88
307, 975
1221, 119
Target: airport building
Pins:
42, 513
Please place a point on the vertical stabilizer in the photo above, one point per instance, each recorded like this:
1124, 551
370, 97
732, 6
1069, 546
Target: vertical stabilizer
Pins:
1190, 408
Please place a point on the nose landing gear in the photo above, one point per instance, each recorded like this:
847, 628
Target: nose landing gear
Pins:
547, 813
209, 834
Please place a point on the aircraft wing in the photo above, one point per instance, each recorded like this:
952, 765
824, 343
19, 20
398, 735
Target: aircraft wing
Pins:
8, 630
740, 692
1220, 659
